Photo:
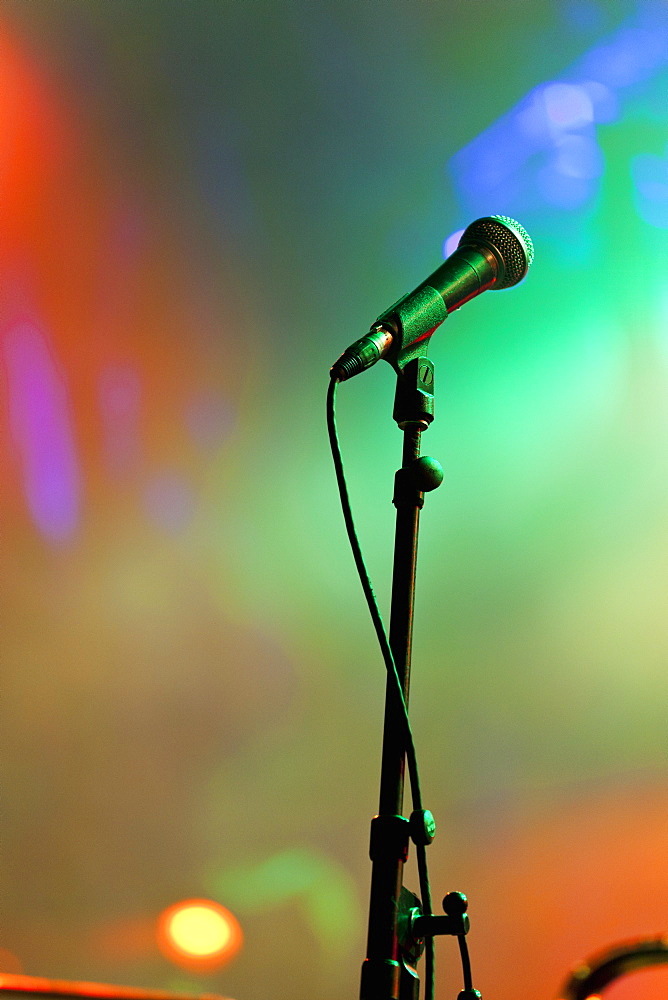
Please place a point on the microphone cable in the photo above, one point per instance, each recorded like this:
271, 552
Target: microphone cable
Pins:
391, 668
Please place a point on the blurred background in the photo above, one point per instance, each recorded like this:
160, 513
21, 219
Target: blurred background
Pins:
202, 203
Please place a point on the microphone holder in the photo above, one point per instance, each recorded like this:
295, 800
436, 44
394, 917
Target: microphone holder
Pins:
394, 945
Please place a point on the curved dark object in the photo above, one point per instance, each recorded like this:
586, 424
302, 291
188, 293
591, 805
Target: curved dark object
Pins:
592, 976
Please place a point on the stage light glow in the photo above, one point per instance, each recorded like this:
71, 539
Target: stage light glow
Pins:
633, 54
567, 106
199, 933
42, 431
513, 160
324, 889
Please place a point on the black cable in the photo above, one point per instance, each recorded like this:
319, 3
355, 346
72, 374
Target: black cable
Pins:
466, 963
370, 595
390, 666
429, 947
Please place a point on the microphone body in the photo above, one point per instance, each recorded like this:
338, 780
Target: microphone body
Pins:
494, 252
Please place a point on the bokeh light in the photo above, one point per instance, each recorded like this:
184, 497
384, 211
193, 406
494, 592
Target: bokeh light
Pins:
40, 422
199, 933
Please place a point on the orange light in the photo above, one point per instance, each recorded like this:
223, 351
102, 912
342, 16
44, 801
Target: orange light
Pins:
199, 934
9, 962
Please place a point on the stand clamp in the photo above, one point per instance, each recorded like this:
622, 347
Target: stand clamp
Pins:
455, 921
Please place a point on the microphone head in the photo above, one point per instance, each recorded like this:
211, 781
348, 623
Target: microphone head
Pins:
509, 242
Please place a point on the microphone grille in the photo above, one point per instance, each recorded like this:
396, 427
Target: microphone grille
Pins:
510, 242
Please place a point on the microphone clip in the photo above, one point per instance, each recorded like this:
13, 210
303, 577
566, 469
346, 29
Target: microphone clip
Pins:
414, 397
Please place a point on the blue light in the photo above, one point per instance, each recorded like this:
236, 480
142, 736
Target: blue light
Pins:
567, 106
650, 178
579, 156
562, 191
544, 151
633, 54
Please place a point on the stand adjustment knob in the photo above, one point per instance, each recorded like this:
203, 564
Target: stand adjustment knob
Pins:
422, 827
455, 904
428, 473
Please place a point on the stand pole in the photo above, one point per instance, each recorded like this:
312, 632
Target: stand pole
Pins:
385, 973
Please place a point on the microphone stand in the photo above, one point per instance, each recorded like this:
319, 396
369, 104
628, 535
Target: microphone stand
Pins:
388, 972
493, 252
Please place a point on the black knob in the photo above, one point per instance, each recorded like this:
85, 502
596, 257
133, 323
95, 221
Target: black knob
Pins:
455, 904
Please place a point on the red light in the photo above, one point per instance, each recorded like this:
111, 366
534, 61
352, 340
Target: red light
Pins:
199, 934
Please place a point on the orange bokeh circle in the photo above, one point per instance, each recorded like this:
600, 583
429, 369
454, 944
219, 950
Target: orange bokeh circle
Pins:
199, 934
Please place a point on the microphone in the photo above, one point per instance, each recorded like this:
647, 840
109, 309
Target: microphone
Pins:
494, 252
